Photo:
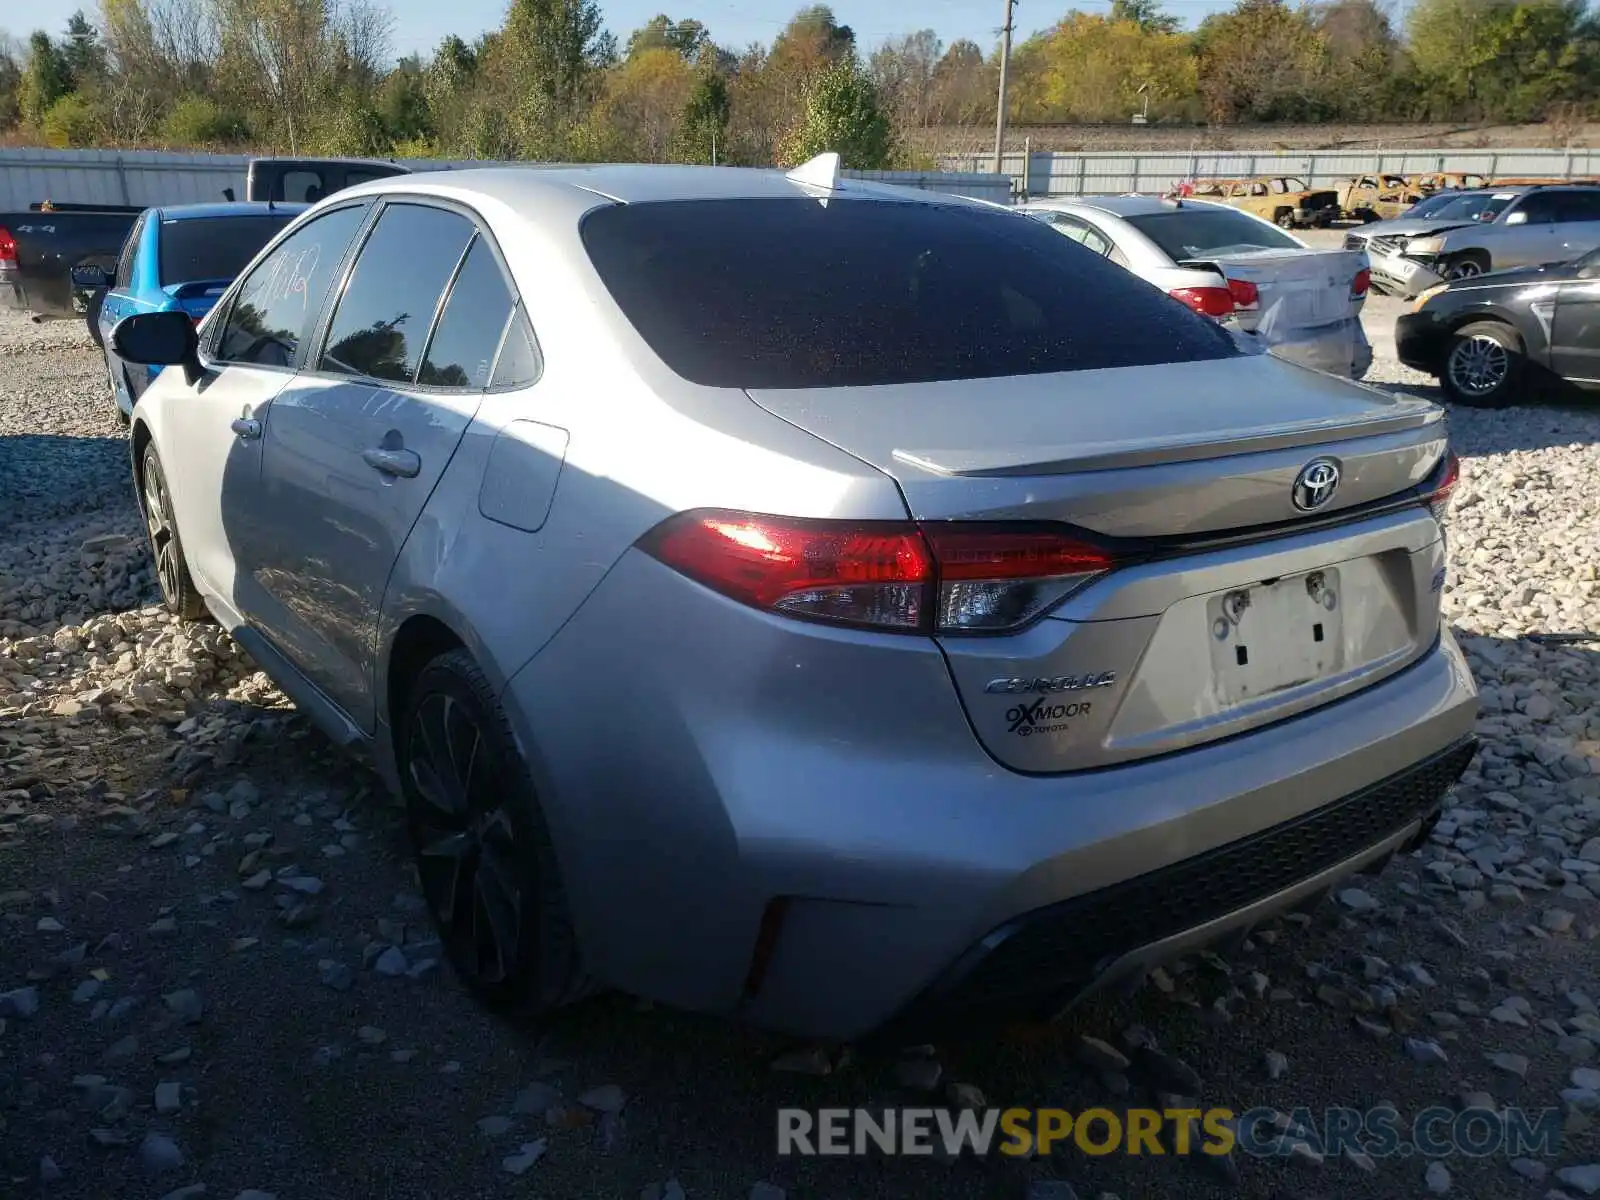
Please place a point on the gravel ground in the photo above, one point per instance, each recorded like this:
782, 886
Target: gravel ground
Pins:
214, 976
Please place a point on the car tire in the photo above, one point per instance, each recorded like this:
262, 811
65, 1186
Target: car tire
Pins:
1466, 266
91, 315
482, 848
1483, 365
178, 592
1284, 218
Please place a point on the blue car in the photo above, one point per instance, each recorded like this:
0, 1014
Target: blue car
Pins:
181, 258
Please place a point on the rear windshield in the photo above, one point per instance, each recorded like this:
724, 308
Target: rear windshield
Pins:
1189, 232
800, 294
214, 247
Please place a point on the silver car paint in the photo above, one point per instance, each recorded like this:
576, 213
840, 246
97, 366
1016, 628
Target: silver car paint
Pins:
696, 758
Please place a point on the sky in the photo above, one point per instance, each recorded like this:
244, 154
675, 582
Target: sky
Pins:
419, 24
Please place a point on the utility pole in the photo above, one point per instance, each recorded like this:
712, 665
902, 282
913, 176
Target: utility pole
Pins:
1005, 65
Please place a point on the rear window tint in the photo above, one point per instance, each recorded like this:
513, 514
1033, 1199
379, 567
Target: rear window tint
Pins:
798, 294
213, 247
1187, 232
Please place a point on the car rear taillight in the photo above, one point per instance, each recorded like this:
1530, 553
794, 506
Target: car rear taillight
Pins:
951, 577
1246, 295
8, 246
1360, 284
1207, 301
1439, 498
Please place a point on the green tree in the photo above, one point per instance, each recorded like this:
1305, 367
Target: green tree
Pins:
70, 122
702, 135
82, 51
45, 79
1501, 59
551, 55
687, 38
10, 85
1264, 61
200, 121
1148, 15
842, 114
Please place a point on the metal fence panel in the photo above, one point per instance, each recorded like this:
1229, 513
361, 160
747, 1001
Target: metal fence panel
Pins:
1047, 173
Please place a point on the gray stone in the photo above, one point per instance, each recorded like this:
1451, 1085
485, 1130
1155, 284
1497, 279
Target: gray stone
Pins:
1510, 1064
48, 1171
1556, 920
1424, 1051
159, 1154
1437, 1179
767, 1191
495, 1126
527, 1154
1357, 900
1277, 1065
392, 962
1100, 1056
1051, 1189
1530, 1168
336, 975
186, 1004
1585, 1077
169, 1098
21, 1002
606, 1098
536, 1099
1586, 1178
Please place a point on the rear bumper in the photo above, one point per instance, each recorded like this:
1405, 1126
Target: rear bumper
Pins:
11, 294
705, 769
1043, 962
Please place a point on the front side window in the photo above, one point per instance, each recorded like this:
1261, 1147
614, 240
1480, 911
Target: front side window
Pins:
1539, 208
276, 304
796, 294
383, 317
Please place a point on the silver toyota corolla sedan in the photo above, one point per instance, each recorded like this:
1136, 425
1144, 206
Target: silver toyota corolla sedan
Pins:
844, 608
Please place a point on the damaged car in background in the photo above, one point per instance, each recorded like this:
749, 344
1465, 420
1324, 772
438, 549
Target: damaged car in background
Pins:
1479, 232
1285, 200
1497, 339
1268, 287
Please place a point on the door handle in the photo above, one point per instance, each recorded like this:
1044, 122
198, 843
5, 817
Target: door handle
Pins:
247, 428
404, 463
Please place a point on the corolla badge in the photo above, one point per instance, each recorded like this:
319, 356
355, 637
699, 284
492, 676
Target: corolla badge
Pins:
1316, 484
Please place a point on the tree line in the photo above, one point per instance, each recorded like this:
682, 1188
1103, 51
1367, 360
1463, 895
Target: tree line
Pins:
552, 83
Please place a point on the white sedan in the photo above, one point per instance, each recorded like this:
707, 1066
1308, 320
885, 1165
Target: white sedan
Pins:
1301, 302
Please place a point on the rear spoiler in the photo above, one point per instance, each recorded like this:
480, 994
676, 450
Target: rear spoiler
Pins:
198, 287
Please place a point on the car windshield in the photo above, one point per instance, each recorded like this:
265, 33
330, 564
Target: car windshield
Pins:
207, 248
1473, 206
1189, 232
852, 293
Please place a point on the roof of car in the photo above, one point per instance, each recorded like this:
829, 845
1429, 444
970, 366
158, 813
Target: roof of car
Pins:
631, 184
228, 208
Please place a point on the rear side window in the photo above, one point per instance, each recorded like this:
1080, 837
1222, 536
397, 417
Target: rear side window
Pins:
1187, 232
214, 247
797, 294
461, 352
382, 320
1578, 206
303, 187
130, 247
519, 363
279, 299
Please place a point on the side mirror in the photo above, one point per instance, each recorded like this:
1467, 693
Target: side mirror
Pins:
93, 278
160, 339
228, 193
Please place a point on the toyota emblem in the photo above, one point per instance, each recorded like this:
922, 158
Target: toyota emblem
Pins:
1316, 484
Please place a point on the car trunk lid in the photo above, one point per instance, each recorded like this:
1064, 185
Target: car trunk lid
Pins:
1187, 474
1296, 289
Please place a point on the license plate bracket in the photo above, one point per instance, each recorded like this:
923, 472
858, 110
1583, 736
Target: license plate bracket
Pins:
1275, 635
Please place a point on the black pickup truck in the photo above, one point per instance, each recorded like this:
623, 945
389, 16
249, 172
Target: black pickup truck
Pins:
39, 247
